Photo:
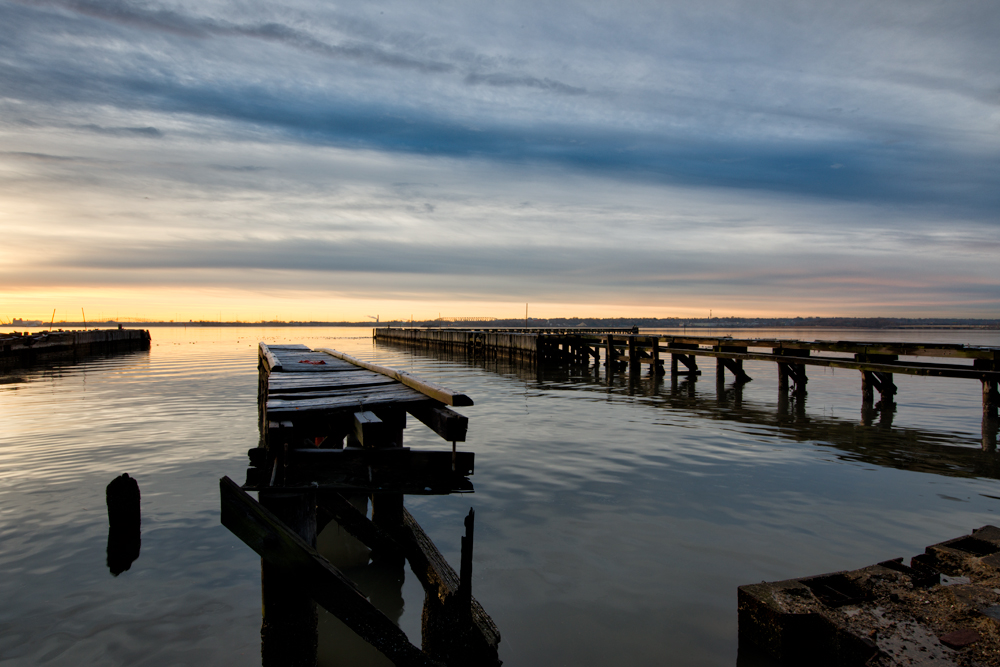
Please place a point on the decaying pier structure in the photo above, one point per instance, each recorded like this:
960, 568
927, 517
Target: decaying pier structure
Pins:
627, 350
332, 440
21, 349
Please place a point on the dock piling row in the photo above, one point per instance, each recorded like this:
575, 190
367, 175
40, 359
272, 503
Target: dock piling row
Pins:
626, 350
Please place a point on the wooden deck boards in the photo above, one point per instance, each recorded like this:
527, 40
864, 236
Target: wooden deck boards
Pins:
301, 380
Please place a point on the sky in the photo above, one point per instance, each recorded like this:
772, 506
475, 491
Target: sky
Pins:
310, 160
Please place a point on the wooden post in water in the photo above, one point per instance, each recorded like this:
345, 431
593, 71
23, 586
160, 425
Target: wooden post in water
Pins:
867, 389
633, 358
655, 370
465, 571
782, 378
288, 625
991, 400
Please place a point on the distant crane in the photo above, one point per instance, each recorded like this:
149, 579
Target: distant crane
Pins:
373, 317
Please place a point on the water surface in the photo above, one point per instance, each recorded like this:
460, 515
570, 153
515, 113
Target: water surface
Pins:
614, 520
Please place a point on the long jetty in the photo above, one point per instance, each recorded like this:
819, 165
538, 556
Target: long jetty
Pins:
628, 350
18, 350
331, 442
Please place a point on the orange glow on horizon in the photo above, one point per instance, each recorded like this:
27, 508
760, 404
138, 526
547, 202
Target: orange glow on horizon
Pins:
171, 304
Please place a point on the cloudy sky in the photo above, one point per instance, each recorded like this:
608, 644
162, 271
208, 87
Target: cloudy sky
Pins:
312, 160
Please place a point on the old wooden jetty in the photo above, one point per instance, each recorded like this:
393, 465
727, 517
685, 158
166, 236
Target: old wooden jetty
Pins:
22, 349
332, 439
877, 362
941, 609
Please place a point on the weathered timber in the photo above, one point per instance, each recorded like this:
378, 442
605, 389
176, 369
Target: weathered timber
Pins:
282, 408
445, 422
367, 471
288, 612
430, 389
332, 505
991, 400
444, 636
369, 430
19, 350
263, 532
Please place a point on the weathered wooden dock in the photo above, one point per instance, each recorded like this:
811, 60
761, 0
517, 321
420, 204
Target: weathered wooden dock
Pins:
877, 362
20, 350
332, 439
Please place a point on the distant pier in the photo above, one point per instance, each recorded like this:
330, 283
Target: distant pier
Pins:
19, 350
627, 350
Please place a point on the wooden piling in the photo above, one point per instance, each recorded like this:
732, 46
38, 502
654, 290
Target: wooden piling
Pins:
991, 399
288, 624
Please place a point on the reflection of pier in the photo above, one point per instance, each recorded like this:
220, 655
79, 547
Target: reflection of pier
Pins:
876, 441
877, 361
332, 440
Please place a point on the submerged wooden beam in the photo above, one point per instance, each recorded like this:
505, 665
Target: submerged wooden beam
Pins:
276, 543
443, 634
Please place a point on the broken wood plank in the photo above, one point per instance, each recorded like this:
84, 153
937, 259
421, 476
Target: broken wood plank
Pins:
276, 543
443, 633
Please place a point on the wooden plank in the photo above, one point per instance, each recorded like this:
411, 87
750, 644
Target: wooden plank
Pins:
276, 543
394, 458
336, 403
445, 422
293, 380
292, 394
435, 391
369, 429
357, 524
272, 363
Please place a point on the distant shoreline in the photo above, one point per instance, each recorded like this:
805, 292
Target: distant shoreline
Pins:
570, 323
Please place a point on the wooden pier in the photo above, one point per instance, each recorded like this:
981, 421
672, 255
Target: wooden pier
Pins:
332, 440
20, 350
877, 362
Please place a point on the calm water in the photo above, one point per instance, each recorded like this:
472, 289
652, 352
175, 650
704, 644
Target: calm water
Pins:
613, 523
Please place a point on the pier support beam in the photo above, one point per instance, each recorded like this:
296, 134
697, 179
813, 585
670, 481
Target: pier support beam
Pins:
794, 372
657, 367
735, 366
288, 626
991, 400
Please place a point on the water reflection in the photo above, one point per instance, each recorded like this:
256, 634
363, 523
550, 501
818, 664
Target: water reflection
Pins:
871, 439
124, 521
